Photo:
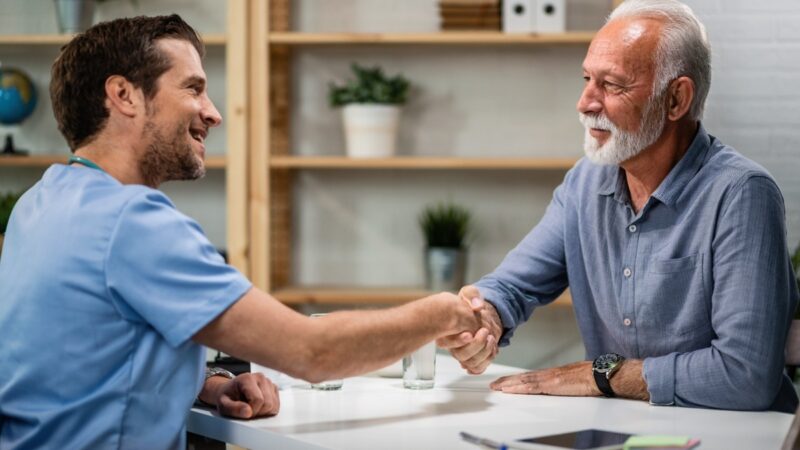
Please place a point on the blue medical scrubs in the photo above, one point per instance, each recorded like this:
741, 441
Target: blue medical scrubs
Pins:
102, 287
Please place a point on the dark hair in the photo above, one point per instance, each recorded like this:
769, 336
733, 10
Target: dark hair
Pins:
125, 47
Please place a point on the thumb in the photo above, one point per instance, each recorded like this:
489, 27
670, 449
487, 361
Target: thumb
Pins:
234, 408
476, 303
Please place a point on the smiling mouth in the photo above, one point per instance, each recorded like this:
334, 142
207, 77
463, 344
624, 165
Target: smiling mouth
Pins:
198, 135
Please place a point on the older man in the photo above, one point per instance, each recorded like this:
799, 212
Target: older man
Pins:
106, 290
673, 245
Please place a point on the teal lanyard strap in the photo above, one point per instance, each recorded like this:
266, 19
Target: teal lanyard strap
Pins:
85, 162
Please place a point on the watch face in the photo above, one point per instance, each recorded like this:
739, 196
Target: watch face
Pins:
605, 363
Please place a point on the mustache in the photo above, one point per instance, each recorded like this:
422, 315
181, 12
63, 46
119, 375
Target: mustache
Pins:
599, 121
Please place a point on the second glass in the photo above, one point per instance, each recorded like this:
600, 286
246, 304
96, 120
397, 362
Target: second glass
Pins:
329, 385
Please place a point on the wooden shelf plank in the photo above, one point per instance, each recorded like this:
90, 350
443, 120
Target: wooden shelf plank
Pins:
345, 295
364, 295
435, 38
212, 162
421, 163
212, 39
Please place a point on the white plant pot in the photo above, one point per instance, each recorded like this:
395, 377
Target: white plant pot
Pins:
370, 129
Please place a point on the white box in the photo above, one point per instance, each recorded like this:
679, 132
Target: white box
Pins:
519, 16
551, 16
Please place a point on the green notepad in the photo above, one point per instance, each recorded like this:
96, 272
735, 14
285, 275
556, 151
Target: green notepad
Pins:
656, 441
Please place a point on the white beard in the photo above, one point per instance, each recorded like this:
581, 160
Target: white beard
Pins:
622, 145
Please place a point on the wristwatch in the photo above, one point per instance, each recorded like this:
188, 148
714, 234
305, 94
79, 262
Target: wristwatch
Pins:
603, 368
218, 372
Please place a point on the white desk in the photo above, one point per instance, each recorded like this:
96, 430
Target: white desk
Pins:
377, 413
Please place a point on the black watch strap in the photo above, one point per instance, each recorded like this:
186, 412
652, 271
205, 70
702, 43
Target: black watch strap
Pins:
604, 384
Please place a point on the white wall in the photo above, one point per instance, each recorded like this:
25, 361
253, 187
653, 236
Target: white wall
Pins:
355, 226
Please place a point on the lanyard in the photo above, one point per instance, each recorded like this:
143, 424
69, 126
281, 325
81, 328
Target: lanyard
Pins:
85, 162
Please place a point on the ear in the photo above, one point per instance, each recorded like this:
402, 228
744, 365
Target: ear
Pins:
680, 95
122, 96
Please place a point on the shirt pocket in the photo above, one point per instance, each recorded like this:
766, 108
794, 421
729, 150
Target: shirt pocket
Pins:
673, 302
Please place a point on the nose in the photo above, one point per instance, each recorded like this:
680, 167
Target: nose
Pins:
211, 117
590, 101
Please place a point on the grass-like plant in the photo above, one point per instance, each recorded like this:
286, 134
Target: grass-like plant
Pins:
370, 86
446, 225
7, 202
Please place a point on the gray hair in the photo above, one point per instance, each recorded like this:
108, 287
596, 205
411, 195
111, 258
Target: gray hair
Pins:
682, 50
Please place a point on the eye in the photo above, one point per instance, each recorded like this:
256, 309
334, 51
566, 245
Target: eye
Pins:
613, 87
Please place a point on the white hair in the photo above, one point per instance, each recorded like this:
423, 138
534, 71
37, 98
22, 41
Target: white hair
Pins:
682, 50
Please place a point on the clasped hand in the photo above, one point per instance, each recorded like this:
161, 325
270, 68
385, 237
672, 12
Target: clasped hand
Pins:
475, 351
247, 396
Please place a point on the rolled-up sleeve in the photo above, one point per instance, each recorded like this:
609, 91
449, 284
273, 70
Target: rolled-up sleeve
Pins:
754, 297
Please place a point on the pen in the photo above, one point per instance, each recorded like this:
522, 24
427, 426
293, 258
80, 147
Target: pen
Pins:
471, 438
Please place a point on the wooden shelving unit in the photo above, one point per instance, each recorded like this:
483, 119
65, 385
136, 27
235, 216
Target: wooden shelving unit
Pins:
61, 39
420, 163
321, 295
273, 165
438, 38
42, 161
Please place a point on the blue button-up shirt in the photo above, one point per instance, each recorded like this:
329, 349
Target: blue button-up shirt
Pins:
698, 284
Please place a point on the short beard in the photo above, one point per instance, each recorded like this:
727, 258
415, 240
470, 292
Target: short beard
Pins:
623, 145
165, 160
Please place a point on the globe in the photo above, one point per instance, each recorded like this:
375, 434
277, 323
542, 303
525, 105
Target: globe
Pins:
17, 96
17, 101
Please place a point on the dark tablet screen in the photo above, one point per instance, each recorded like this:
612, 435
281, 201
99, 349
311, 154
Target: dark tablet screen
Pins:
583, 439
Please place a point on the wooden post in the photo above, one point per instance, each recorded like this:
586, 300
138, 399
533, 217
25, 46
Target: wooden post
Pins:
236, 127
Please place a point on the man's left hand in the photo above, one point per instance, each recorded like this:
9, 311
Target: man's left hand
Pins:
573, 380
247, 396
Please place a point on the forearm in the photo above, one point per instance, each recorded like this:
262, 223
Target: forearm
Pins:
260, 329
352, 342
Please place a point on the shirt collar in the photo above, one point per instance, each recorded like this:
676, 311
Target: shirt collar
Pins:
671, 187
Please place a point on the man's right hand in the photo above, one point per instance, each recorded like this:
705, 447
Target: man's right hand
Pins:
475, 352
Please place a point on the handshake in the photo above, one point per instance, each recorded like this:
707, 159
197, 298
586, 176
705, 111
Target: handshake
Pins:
476, 346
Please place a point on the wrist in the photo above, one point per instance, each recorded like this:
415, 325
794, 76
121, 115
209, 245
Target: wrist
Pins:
215, 380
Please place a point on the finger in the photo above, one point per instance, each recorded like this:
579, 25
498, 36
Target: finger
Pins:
252, 394
481, 361
509, 380
484, 353
476, 303
478, 343
530, 388
271, 398
276, 404
234, 408
468, 292
455, 340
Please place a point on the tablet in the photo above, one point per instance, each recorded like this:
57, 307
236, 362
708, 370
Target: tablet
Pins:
582, 440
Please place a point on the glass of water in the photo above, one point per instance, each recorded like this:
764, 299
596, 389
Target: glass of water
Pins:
329, 385
419, 368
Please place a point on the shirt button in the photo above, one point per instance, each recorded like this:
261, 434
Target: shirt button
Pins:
632, 228
627, 272
627, 322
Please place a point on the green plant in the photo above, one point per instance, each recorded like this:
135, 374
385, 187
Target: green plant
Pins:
369, 86
7, 203
445, 225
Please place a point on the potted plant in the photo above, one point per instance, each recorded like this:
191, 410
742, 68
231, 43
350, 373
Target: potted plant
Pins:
75, 16
371, 111
7, 203
446, 227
